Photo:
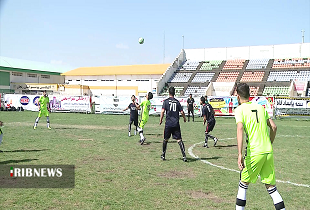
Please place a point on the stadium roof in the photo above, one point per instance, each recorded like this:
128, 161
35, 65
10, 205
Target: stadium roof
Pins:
119, 70
14, 63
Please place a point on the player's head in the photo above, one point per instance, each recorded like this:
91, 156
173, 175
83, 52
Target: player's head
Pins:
44, 93
133, 98
171, 91
149, 96
190, 95
243, 91
202, 100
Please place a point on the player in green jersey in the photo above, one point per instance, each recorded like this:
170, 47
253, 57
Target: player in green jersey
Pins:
44, 108
145, 107
253, 120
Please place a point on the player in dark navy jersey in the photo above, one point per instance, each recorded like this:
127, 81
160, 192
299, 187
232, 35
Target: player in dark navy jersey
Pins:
133, 114
172, 107
208, 116
190, 107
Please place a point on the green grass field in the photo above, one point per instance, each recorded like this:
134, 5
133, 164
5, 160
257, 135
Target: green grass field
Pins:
113, 171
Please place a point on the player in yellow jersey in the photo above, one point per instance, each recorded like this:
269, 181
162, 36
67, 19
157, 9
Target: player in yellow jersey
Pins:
253, 120
145, 107
44, 108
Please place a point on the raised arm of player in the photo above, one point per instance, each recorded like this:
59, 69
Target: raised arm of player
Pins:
273, 129
240, 145
138, 106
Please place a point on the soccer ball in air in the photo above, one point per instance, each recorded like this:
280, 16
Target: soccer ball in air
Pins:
141, 40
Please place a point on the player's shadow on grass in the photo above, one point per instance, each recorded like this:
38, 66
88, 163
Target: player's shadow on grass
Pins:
154, 134
196, 159
64, 128
16, 161
225, 146
27, 150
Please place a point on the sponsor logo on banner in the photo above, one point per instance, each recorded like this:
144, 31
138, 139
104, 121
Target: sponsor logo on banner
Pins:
36, 100
24, 100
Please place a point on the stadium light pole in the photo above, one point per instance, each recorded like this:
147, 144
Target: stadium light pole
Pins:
302, 36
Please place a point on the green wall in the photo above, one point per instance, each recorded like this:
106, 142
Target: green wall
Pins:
4, 78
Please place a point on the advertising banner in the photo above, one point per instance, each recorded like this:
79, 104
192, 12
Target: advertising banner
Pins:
57, 103
292, 106
267, 102
223, 106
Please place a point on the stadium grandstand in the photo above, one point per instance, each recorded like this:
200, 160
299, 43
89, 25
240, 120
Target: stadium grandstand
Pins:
275, 70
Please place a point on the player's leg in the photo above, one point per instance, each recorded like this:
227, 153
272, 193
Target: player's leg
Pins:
37, 120
241, 196
136, 124
177, 135
211, 125
249, 174
193, 114
167, 134
47, 119
129, 127
206, 136
188, 114
140, 129
268, 178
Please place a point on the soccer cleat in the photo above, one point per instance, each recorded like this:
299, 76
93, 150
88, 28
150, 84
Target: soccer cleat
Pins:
142, 141
215, 140
163, 157
135, 132
34, 127
49, 128
184, 159
129, 134
205, 145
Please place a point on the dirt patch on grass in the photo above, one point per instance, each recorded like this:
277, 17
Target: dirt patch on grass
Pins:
177, 174
205, 195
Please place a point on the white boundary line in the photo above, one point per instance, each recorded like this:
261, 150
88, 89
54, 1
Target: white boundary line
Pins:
190, 151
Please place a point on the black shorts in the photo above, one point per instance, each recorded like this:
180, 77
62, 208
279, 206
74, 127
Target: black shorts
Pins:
210, 126
134, 120
175, 131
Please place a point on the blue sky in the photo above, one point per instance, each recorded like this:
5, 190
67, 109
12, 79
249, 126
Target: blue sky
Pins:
80, 33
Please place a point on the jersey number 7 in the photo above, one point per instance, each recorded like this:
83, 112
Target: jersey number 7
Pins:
256, 115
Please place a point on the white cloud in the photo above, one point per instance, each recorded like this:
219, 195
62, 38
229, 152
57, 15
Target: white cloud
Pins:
122, 46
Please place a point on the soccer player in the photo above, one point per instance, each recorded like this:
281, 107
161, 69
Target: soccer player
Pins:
208, 116
44, 108
1, 133
145, 107
133, 114
190, 106
172, 107
253, 119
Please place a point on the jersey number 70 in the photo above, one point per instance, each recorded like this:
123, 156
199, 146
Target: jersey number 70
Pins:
173, 106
